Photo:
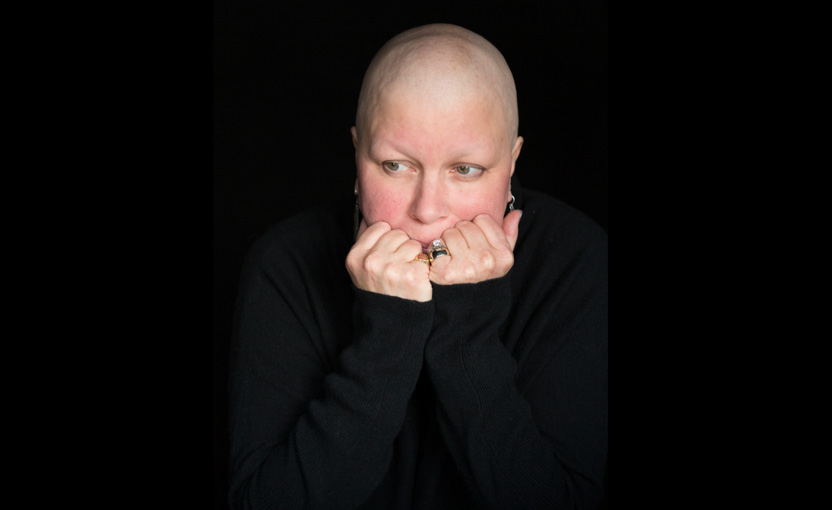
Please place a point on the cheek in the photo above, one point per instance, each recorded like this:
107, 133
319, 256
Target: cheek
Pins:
491, 201
383, 203
382, 208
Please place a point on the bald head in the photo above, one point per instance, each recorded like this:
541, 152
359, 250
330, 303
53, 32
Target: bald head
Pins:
438, 65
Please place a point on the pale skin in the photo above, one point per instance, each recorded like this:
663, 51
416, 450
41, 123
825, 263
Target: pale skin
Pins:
435, 152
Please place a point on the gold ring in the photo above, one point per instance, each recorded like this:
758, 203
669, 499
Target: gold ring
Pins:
423, 258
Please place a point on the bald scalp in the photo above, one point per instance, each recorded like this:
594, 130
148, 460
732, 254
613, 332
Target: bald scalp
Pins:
440, 63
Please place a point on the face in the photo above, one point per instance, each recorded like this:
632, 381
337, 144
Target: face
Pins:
423, 167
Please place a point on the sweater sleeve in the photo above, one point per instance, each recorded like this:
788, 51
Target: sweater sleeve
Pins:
307, 432
540, 447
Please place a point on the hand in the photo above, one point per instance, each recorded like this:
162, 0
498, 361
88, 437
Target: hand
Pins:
479, 250
382, 261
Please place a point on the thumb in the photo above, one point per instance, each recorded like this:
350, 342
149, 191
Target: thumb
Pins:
511, 226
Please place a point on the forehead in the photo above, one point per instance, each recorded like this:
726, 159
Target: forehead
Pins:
416, 123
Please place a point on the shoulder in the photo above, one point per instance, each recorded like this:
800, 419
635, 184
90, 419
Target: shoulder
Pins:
559, 279
551, 225
314, 238
561, 255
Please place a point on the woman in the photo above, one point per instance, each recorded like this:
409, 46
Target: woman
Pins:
460, 361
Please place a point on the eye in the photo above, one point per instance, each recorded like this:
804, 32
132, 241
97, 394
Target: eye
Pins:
467, 170
393, 166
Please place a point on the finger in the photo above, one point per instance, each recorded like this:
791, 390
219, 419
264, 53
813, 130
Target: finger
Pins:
409, 249
455, 241
511, 226
420, 267
371, 234
492, 231
437, 268
439, 263
500, 237
391, 240
473, 233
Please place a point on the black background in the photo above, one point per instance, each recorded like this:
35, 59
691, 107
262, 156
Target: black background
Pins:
286, 79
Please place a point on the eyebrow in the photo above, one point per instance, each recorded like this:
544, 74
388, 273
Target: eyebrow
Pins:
460, 156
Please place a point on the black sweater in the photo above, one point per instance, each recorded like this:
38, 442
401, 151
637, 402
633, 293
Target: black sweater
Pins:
492, 395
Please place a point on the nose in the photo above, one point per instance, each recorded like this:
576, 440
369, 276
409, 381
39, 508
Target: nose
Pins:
430, 200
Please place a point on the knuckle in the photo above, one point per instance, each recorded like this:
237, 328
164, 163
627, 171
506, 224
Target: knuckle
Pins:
373, 262
395, 273
487, 260
412, 278
449, 274
388, 273
354, 260
470, 272
506, 262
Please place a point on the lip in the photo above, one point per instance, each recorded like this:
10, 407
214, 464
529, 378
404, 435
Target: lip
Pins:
426, 245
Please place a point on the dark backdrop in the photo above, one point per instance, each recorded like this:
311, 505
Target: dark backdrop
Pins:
286, 82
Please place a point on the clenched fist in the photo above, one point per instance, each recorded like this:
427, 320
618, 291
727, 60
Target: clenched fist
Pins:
383, 261
479, 250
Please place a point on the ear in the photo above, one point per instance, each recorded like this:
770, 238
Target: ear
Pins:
515, 152
354, 133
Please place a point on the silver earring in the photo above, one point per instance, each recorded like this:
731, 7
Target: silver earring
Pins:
511, 204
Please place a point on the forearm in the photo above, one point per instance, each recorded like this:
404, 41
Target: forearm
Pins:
335, 448
502, 441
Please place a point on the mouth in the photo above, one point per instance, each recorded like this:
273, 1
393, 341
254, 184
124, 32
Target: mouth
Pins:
426, 246
426, 243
